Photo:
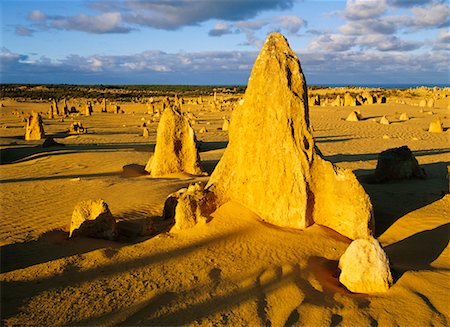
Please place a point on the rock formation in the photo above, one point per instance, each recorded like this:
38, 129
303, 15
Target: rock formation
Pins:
423, 103
430, 103
88, 109
176, 146
271, 164
365, 267
404, 117
65, 109
226, 125
397, 163
35, 128
77, 128
190, 206
368, 98
436, 126
349, 101
146, 132
93, 219
384, 121
353, 116
55, 107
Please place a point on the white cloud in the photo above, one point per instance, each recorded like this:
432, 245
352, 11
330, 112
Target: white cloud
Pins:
332, 43
220, 29
105, 23
433, 15
362, 9
290, 23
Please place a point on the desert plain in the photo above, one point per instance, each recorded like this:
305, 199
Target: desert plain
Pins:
236, 269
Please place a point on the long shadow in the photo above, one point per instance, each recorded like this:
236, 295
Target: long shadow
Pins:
57, 177
395, 199
15, 293
418, 251
146, 312
209, 165
49, 246
208, 146
24, 153
374, 156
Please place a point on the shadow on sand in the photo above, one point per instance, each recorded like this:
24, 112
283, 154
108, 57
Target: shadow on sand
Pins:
418, 251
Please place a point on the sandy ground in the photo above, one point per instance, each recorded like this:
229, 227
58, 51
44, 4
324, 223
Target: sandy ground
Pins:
235, 270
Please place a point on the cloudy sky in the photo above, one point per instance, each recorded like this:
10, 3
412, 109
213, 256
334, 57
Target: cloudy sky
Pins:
216, 41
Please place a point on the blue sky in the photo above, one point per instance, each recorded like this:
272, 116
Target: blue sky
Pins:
217, 41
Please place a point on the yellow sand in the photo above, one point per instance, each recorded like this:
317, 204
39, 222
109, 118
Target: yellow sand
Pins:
235, 270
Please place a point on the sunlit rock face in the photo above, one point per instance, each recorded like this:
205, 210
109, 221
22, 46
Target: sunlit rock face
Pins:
35, 128
271, 164
176, 146
365, 267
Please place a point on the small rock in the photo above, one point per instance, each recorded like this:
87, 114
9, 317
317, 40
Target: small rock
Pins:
365, 267
396, 164
436, 126
384, 121
92, 218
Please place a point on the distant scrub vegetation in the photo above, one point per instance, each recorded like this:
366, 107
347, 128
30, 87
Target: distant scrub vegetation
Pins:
111, 92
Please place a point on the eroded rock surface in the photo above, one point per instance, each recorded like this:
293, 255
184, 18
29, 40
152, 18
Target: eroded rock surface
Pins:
35, 128
176, 146
92, 218
271, 164
397, 163
365, 267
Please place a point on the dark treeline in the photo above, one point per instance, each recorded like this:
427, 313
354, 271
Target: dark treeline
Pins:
112, 92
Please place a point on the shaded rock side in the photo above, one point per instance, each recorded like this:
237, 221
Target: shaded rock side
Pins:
397, 163
35, 128
271, 164
176, 146
92, 218
365, 267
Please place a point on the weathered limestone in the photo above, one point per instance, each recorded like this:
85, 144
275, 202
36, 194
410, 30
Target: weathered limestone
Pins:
404, 116
397, 163
190, 206
88, 109
55, 107
92, 218
35, 128
176, 146
77, 128
226, 125
368, 98
430, 103
349, 100
384, 121
423, 103
65, 109
365, 267
338, 102
271, 164
353, 116
145, 132
436, 126
104, 107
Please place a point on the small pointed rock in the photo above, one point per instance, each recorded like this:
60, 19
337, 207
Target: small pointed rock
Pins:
436, 126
